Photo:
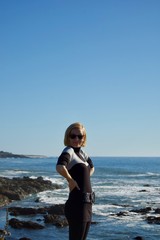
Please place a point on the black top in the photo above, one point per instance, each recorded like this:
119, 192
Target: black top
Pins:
78, 165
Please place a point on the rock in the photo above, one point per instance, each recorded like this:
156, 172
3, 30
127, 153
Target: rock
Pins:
16, 211
19, 188
142, 210
57, 209
157, 210
4, 200
52, 215
122, 214
4, 233
58, 221
138, 238
15, 223
24, 238
153, 220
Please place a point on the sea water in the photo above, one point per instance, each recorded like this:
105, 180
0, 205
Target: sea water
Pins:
121, 184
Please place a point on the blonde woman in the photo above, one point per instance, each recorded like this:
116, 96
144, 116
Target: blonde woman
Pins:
75, 165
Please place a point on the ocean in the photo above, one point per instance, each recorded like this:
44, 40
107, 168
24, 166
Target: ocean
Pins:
121, 184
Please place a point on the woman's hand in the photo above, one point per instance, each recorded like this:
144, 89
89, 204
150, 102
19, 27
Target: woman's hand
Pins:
72, 184
62, 170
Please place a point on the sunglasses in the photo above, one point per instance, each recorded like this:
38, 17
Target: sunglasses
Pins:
73, 136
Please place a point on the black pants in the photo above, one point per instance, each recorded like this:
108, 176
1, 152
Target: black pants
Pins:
78, 231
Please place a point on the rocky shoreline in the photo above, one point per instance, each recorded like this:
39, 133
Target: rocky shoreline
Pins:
12, 155
19, 188
16, 189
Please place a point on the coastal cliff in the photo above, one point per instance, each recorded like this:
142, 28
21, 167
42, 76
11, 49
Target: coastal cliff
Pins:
12, 155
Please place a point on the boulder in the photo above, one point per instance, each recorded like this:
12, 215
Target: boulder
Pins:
15, 223
4, 200
57, 209
58, 221
138, 238
16, 211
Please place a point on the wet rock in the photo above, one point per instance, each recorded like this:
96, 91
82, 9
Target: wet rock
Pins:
59, 221
4, 200
24, 238
51, 215
157, 210
142, 210
57, 209
146, 185
122, 214
153, 220
16, 211
15, 223
138, 238
19, 188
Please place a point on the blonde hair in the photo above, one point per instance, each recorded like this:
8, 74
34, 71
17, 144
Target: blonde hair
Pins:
68, 131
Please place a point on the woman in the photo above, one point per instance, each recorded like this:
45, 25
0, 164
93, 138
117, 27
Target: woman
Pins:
75, 165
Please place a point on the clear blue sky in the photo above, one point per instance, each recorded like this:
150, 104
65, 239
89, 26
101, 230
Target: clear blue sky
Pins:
97, 62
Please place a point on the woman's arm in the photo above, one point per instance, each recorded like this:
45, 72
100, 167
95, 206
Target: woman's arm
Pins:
92, 171
62, 170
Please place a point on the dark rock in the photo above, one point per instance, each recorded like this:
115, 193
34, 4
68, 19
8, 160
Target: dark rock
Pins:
52, 215
157, 211
138, 238
4, 200
93, 222
50, 218
16, 211
142, 210
37, 200
19, 188
58, 221
57, 209
4, 232
122, 214
15, 223
61, 223
24, 238
153, 220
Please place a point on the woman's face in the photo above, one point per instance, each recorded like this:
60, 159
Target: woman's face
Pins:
76, 137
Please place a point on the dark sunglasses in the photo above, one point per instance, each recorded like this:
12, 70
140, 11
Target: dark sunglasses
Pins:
73, 136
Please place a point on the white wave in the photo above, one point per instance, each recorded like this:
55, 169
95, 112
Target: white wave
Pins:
104, 209
153, 174
55, 180
13, 173
57, 196
58, 181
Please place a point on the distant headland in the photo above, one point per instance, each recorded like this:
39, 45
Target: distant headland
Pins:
12, 155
